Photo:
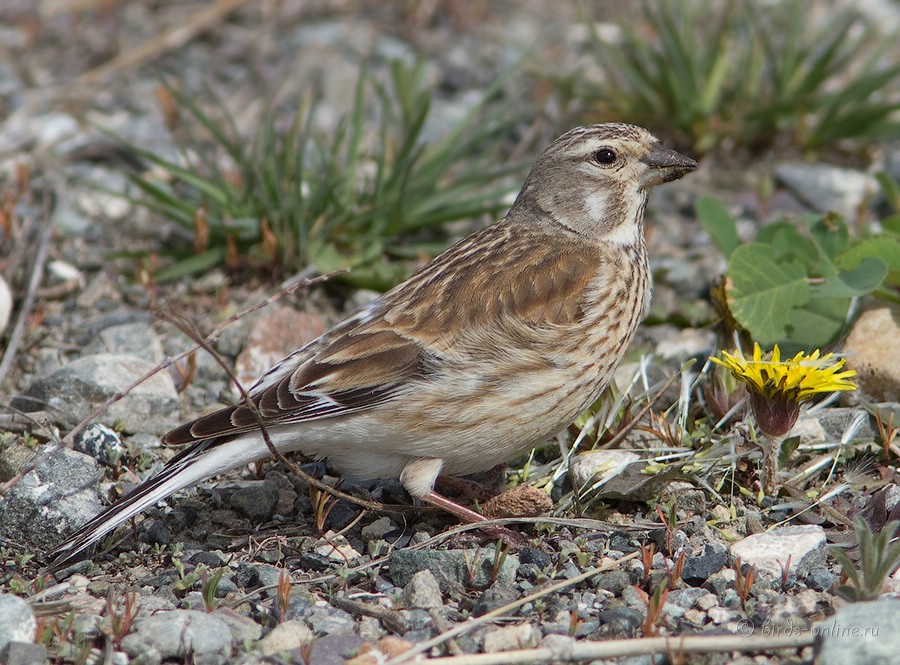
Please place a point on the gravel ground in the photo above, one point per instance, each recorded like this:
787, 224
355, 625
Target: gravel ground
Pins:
203, 578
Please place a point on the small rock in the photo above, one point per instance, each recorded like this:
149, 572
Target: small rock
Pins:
509, 638
254, 499
614, 581
382, 651
17, 622
135, 339
520, 501
697, 569
860, 633
619, 623
769, 552
336, 548
55, 498
285, 637
452, 568
335, 649
491, 599
530, 555
328, 620
873, 350
23, 653
377, 529
827, 188
720, 581
181, 635
86, 383
686, 598
243, 629
100, 442
422, 591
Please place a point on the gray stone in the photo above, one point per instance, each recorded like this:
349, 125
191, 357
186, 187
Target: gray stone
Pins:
100, 442
453, 569
495, 597
55, 498
686, 598
614, 581
860, 633
254, 499
828, 188
422, 591
179, 634
329, 620
17, 622
23, 653
378, 529
697, 569
85, 384
135, 339
286, 637
799, 548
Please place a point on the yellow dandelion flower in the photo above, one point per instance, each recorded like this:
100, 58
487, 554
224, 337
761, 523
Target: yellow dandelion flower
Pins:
777, 387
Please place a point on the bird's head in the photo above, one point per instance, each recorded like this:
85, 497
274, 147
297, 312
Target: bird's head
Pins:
594, 180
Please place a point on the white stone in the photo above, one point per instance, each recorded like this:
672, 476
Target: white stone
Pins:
796, 548
599, 466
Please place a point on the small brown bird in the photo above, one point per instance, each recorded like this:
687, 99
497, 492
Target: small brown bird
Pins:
493, 347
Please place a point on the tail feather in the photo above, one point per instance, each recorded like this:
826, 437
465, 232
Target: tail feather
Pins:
198, 462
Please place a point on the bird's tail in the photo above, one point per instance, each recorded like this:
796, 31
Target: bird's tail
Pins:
199, 461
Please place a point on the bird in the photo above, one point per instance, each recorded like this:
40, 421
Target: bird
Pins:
490, 349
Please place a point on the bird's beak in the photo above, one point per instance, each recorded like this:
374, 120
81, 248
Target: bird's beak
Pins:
665, 165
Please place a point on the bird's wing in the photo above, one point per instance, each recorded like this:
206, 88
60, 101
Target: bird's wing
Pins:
376, 354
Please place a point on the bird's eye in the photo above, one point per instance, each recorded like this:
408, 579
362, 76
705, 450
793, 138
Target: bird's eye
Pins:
605, 156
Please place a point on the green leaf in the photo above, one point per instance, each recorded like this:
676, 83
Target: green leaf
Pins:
788, 244
863, 279
884, 247
761, 293
830, 234
818, 323
788, 446
719, 223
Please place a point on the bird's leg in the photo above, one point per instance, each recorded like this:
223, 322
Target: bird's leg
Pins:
442, 502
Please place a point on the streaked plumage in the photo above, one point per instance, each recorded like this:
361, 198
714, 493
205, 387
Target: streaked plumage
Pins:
494, 346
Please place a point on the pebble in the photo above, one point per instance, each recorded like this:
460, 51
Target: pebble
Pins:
85, 384
828, 188
336, 548
179, 634
769, 552
254, 499
491, 599
136, 338
873, 350
377, 529
23, 653
508, 638
860, 633
286, 636
55, 498
100, 442
423, 591
453, 569
698, 568
17, 621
